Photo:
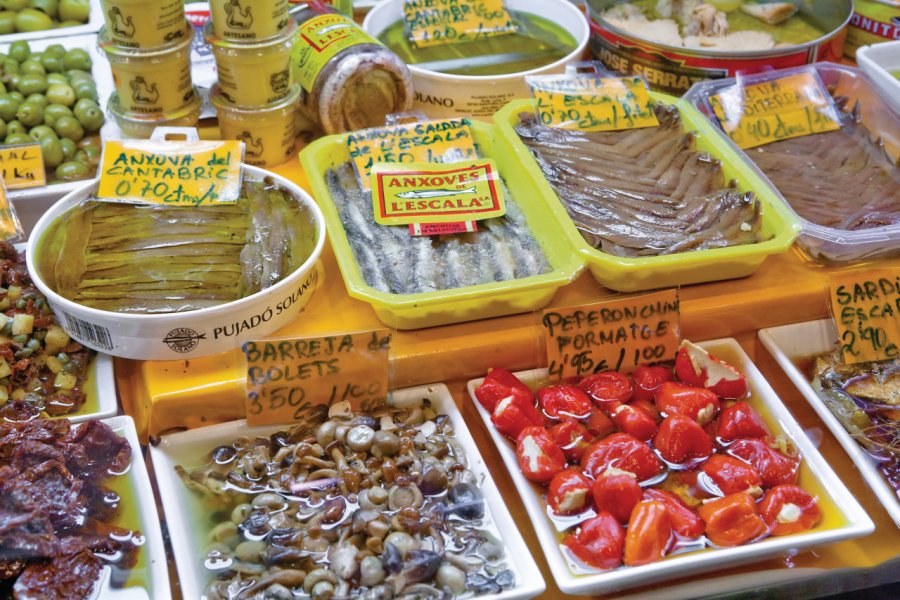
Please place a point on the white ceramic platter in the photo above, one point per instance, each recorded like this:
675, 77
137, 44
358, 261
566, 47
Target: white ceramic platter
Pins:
195, 445
788, 344
856, 522
95, 21
37, 199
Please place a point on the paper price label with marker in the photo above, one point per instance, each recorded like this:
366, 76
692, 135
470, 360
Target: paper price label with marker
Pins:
590, 103
169, 173
437, 22
866, 309
297, 379
23, 166
619, 334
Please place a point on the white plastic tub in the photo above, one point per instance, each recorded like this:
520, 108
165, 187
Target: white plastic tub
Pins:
881, 62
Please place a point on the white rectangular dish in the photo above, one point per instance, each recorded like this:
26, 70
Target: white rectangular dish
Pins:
880, 62
95, 21
101, 401
851, 520
196, 444
43, 197
790, 343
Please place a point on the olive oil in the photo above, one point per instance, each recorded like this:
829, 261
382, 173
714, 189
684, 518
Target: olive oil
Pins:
537, 43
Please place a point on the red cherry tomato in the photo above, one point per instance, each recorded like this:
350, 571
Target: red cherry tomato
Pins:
681, 439
497, 385
569, 492
789, 509
599, 425
623, 452
564, 402
648, 379
732, 475
696, 366
649, 533
514, 413
539, 458
697, 403
775, 467
598, 542
634, 421
740, 421
732, 520
649, 408
572, 438
607, 388
616, 492
685, 522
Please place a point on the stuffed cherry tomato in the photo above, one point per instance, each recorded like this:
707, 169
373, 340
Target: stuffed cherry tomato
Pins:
539, 458
732, 475
680, 439
648, 379
616, 492
740, 421
697, 403
569, 492
789, 509
562, 402
649, 533
623, 452
732, 520
775, 467
607, 389
634, 421
696, 366
514, 413
497, 385
572, 438
684, 521
598, 542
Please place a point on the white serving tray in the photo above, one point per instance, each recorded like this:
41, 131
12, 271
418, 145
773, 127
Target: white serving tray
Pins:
791, 342
45, 195
95, 21
197, 443
157, 576
857, 521
878, 60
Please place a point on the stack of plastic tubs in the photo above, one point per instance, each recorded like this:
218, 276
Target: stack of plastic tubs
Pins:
148, 45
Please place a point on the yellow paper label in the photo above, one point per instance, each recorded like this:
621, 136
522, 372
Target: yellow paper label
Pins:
618, 335
9, 223
23, 166
318, 41
866, 309
436, 22
442, 141
780, 109
593, 103
171, 173
427, 193
297, 379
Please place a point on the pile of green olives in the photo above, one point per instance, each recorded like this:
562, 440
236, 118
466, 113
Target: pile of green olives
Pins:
20, 16
50, 97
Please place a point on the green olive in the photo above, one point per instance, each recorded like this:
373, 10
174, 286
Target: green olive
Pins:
55, 50
39, 99
12, 82
60, 93
19, 51
92, 153
57, 110
15, 127
7, 22
80, 156
90, 118
30, 114
74, 10
48, 7
33, 83
52, 151
40, 131
49, 120
30, 19
8, 107
72, 170
90, 141
17, 138
19, 96
59, 78
68, 148
76, 75
69, 127
52, 63
15, 5
2, 88
10, 66
32, 66
85, 90
77, 58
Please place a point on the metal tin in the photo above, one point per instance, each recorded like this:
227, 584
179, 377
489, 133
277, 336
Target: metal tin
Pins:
674, 69
872, 22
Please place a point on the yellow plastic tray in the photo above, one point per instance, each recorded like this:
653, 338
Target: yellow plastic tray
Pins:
648, 272
427, 309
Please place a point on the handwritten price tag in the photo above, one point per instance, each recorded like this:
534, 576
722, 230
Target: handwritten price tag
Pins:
23, 166
618, 335
182, 173
866, 309
593, 103
295, 380
436, 22
780, 109
442, 141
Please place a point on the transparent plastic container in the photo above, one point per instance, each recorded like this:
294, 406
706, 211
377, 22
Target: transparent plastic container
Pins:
427, 309
821, 243
248, 20
141, 126
144, 24
628, 274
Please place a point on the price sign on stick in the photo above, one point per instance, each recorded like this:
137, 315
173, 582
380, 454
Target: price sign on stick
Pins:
294, 379
617, 335
23, 166
866, 309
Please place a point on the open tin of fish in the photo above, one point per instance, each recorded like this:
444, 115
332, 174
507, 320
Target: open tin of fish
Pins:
674, 69
778, 227
191, 333
455, 305
879, 121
